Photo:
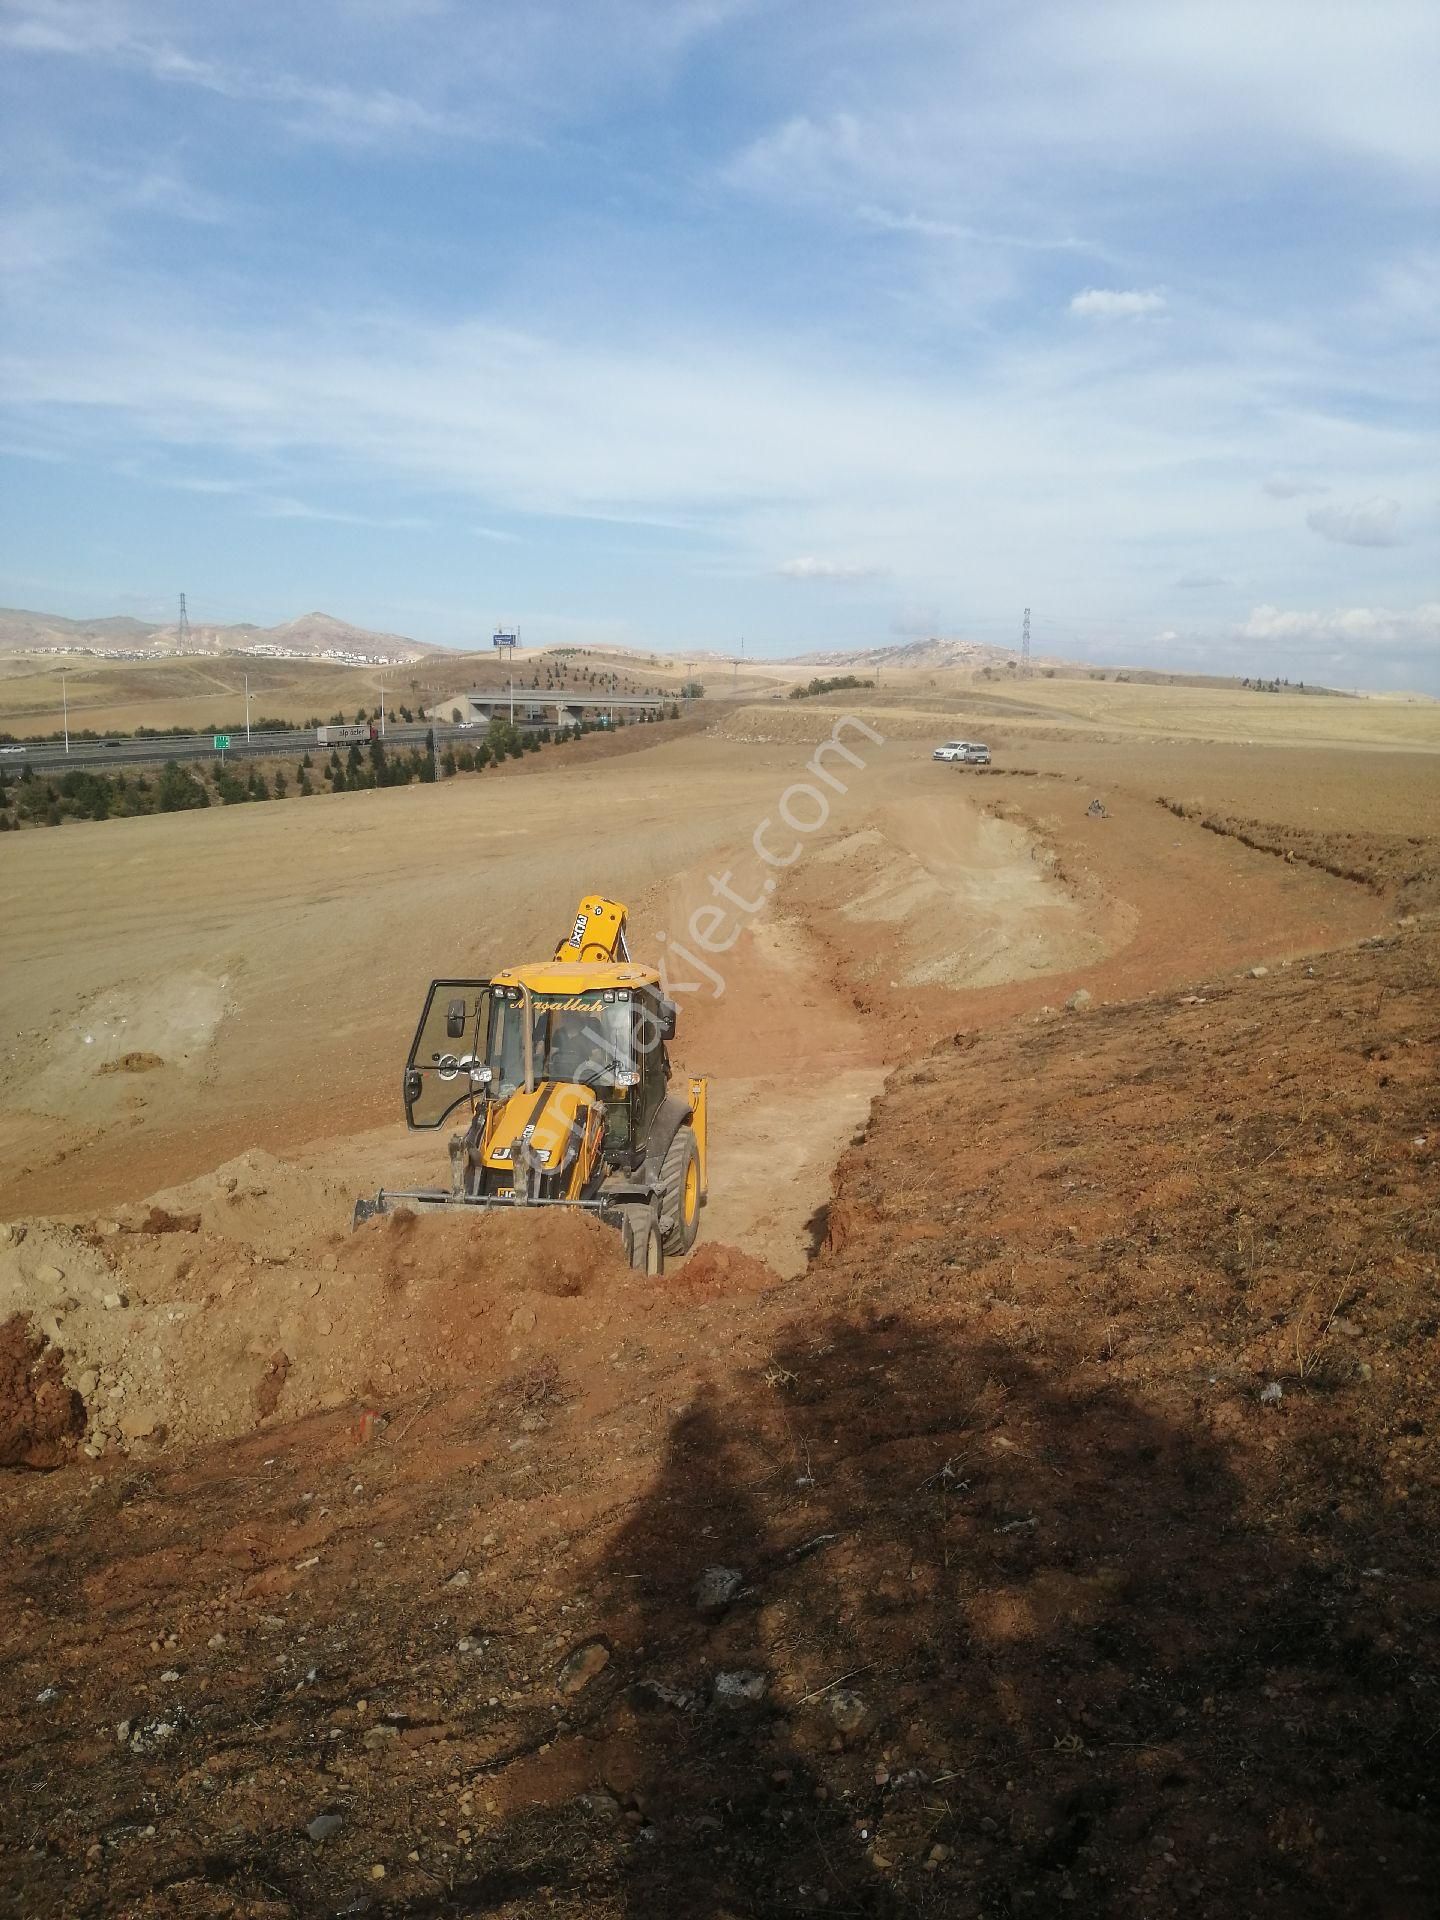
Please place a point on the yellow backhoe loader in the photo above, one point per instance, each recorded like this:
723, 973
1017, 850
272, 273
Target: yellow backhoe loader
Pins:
561, 1073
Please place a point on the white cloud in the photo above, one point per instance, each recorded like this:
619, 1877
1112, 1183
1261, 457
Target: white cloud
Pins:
318, 109
199, 483
808, 567
805, 157
496, 535
1331, 78
62, 26
1197, 582
1280, 487
282, 508
1397, 648
36, 240
370, 73
166, 192
872, 358
1370, 523
761, 445
1112, 303
926, 228
955, 99
1346, 627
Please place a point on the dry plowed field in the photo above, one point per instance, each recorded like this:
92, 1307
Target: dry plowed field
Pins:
1023, 1500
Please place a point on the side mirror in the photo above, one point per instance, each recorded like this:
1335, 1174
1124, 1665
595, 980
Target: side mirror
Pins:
455, 1020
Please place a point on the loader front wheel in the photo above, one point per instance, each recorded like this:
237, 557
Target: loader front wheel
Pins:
641, 1238
680, 1193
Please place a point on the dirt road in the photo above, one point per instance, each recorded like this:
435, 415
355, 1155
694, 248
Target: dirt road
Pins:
178, 990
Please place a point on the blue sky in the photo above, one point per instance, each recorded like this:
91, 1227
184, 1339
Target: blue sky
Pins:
820, 324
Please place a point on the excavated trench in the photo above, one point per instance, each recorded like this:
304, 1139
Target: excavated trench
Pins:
242, 1297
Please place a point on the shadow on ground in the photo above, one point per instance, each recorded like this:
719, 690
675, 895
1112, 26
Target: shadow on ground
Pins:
1023, 1650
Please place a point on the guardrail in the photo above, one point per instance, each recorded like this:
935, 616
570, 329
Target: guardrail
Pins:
51, 756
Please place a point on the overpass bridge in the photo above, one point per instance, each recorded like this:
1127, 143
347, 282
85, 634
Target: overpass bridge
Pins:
545, 706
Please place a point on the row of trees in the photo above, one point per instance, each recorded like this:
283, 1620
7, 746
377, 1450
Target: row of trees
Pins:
622, 719
565, 676
38, 799
840, 683
47, 800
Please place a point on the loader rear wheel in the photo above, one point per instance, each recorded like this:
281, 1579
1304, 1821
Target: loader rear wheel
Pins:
641, 1238
680, 1193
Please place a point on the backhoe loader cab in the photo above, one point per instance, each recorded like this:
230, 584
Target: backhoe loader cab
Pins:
558, 1079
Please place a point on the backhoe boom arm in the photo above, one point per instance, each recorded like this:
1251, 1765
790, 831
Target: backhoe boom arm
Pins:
598, 935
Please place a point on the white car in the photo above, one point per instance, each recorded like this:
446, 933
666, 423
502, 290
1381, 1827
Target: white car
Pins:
952, 750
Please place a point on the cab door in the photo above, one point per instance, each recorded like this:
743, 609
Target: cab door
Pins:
447, 1055
650, 1056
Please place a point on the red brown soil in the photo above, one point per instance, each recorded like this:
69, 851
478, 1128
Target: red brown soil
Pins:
715, 1271
1079, 1491
40, 1417
246, 1297
1058, 1605
1403, 866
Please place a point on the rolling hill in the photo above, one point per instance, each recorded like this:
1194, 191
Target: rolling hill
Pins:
313, 636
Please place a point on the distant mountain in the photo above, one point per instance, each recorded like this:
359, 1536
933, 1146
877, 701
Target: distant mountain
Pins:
317, 633
314, 636
20, 631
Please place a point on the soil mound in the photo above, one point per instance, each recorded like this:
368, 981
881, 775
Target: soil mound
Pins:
40, 1417
715, 1270
243, 1298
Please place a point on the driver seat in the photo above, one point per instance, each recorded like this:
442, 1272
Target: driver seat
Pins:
570, 1052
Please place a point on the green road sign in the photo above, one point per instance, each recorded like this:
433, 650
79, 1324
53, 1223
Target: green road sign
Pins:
222, 740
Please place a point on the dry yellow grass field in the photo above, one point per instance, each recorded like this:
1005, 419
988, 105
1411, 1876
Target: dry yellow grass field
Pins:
203, 691
920, 703
273, 956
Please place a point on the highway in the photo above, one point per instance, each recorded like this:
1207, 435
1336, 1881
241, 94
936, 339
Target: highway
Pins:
50, 756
